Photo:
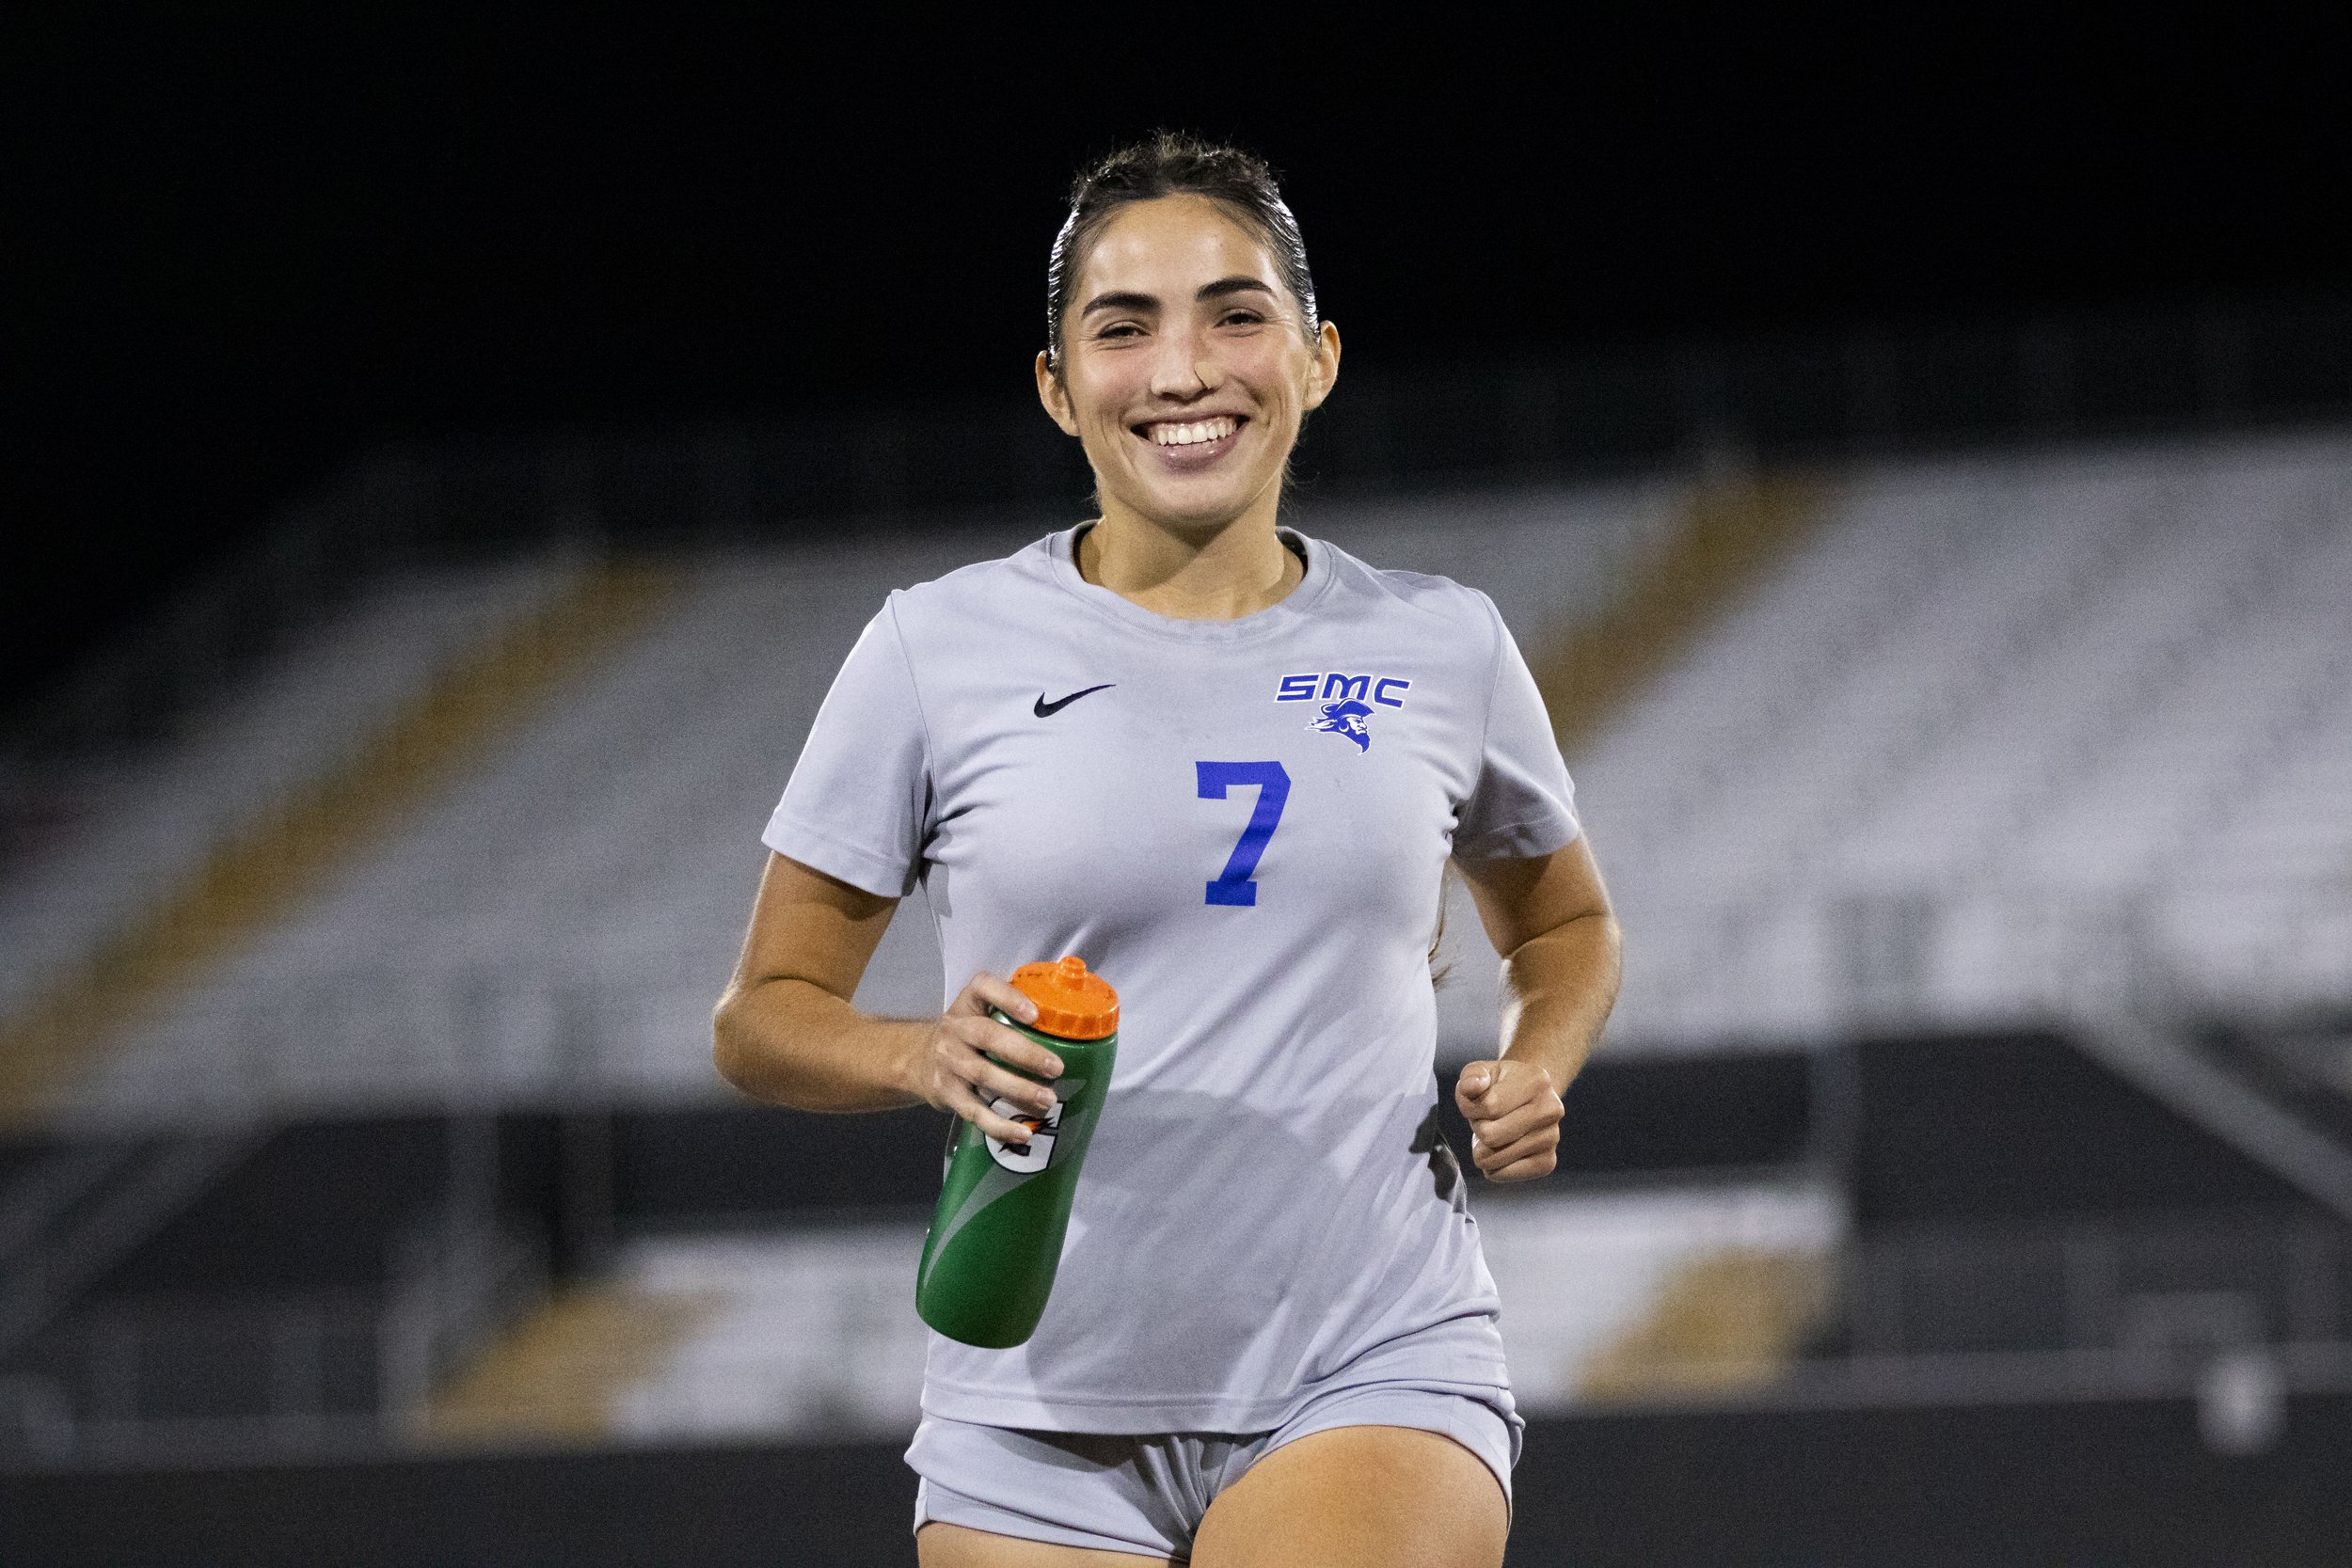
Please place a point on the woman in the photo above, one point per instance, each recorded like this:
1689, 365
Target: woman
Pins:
1225, 765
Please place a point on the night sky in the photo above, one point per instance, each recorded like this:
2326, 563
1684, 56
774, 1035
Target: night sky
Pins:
242, 251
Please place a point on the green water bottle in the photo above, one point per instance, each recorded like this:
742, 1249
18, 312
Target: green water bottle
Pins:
995, 1239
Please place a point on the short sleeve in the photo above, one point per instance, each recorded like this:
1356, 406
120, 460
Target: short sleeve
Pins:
857, 804
1524, 804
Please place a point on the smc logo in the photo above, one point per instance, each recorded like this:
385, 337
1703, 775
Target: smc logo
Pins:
1336, 688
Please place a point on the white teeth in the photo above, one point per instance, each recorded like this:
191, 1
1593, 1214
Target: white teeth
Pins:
1194, 433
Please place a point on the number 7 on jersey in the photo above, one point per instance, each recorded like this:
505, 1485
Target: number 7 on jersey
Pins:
1234, 884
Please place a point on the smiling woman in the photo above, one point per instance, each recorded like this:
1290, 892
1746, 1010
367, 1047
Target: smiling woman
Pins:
1272, 1338
1184, 350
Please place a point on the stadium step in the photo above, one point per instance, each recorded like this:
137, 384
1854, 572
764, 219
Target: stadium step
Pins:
254, 877
1729, 1322
1732, 533
561, 1373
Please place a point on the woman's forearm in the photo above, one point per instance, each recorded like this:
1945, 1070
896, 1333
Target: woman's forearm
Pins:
791, 1042
1557, 990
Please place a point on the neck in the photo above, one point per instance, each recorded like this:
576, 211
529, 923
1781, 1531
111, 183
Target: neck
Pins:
1218, 573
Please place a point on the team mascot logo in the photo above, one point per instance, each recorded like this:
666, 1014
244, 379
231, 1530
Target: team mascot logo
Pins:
1340, 698
1347, 720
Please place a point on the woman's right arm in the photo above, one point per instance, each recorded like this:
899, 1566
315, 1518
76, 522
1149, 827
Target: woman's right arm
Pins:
784, 1030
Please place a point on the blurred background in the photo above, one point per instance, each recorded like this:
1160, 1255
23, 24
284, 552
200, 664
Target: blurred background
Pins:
449, 459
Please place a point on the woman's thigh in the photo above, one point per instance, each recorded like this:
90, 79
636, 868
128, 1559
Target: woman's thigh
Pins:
942, 1545
1359, 1496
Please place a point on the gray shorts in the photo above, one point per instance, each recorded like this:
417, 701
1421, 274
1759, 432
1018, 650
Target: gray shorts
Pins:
1147, 1494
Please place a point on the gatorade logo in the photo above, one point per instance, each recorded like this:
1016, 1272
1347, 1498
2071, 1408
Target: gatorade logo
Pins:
1025, 1160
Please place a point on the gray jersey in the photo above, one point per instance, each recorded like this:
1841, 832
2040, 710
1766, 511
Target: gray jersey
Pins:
1241, 825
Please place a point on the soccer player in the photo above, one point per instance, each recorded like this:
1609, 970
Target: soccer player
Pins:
1225, 764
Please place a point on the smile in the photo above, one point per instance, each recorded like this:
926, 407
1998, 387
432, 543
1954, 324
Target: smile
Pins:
1188, 432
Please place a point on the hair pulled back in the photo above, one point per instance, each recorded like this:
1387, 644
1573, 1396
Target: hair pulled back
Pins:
1169, 162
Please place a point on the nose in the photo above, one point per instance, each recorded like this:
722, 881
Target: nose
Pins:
1182, 368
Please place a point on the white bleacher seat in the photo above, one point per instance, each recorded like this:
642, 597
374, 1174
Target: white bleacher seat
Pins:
1967, 750
814, 1331
156, 815
558, 922
2037, 701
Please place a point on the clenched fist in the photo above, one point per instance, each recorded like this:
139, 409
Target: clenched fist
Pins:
1514, 1114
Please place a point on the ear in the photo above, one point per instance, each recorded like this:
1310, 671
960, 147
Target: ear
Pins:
1055, 396
1324, 373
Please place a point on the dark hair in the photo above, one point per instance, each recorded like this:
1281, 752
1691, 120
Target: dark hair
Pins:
1169, 162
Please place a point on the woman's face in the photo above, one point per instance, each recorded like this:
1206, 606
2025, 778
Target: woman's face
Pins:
1185, 366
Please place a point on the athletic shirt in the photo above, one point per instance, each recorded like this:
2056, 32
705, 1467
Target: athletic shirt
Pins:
1242, 825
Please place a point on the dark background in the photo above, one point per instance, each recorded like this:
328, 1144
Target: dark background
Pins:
243, 249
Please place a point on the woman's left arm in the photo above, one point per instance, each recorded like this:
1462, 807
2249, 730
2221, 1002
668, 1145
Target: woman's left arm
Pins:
1549, 918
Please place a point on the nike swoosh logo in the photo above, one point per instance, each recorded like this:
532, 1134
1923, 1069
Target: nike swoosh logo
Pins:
1046, 710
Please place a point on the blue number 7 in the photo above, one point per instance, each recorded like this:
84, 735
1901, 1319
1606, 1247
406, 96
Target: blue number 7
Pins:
1232, 884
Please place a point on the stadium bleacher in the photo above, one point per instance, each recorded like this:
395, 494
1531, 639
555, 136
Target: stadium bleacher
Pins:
1971, 762
569, 909
2101, 698
148, 817
2052, 715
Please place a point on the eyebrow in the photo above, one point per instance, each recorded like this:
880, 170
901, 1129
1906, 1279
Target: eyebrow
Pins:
1237, 284
1234, 285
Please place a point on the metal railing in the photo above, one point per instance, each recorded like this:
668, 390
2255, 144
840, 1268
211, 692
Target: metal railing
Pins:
419, 1036
2235, 1312
2155, 1297
81, 1210
1831, 964
422, 1033
2237, 1309
291, 1374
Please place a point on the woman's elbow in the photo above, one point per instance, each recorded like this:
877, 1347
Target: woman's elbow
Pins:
731, 1047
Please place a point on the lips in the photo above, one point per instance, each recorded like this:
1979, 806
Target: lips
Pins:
1192, 443
1190, 433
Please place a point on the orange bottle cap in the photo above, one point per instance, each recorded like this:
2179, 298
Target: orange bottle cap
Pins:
1070, 1002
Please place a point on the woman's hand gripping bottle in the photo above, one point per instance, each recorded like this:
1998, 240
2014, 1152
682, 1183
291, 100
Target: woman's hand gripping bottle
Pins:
995, 1239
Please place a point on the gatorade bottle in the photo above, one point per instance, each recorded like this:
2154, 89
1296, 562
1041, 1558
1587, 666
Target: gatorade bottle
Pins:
995, 1239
